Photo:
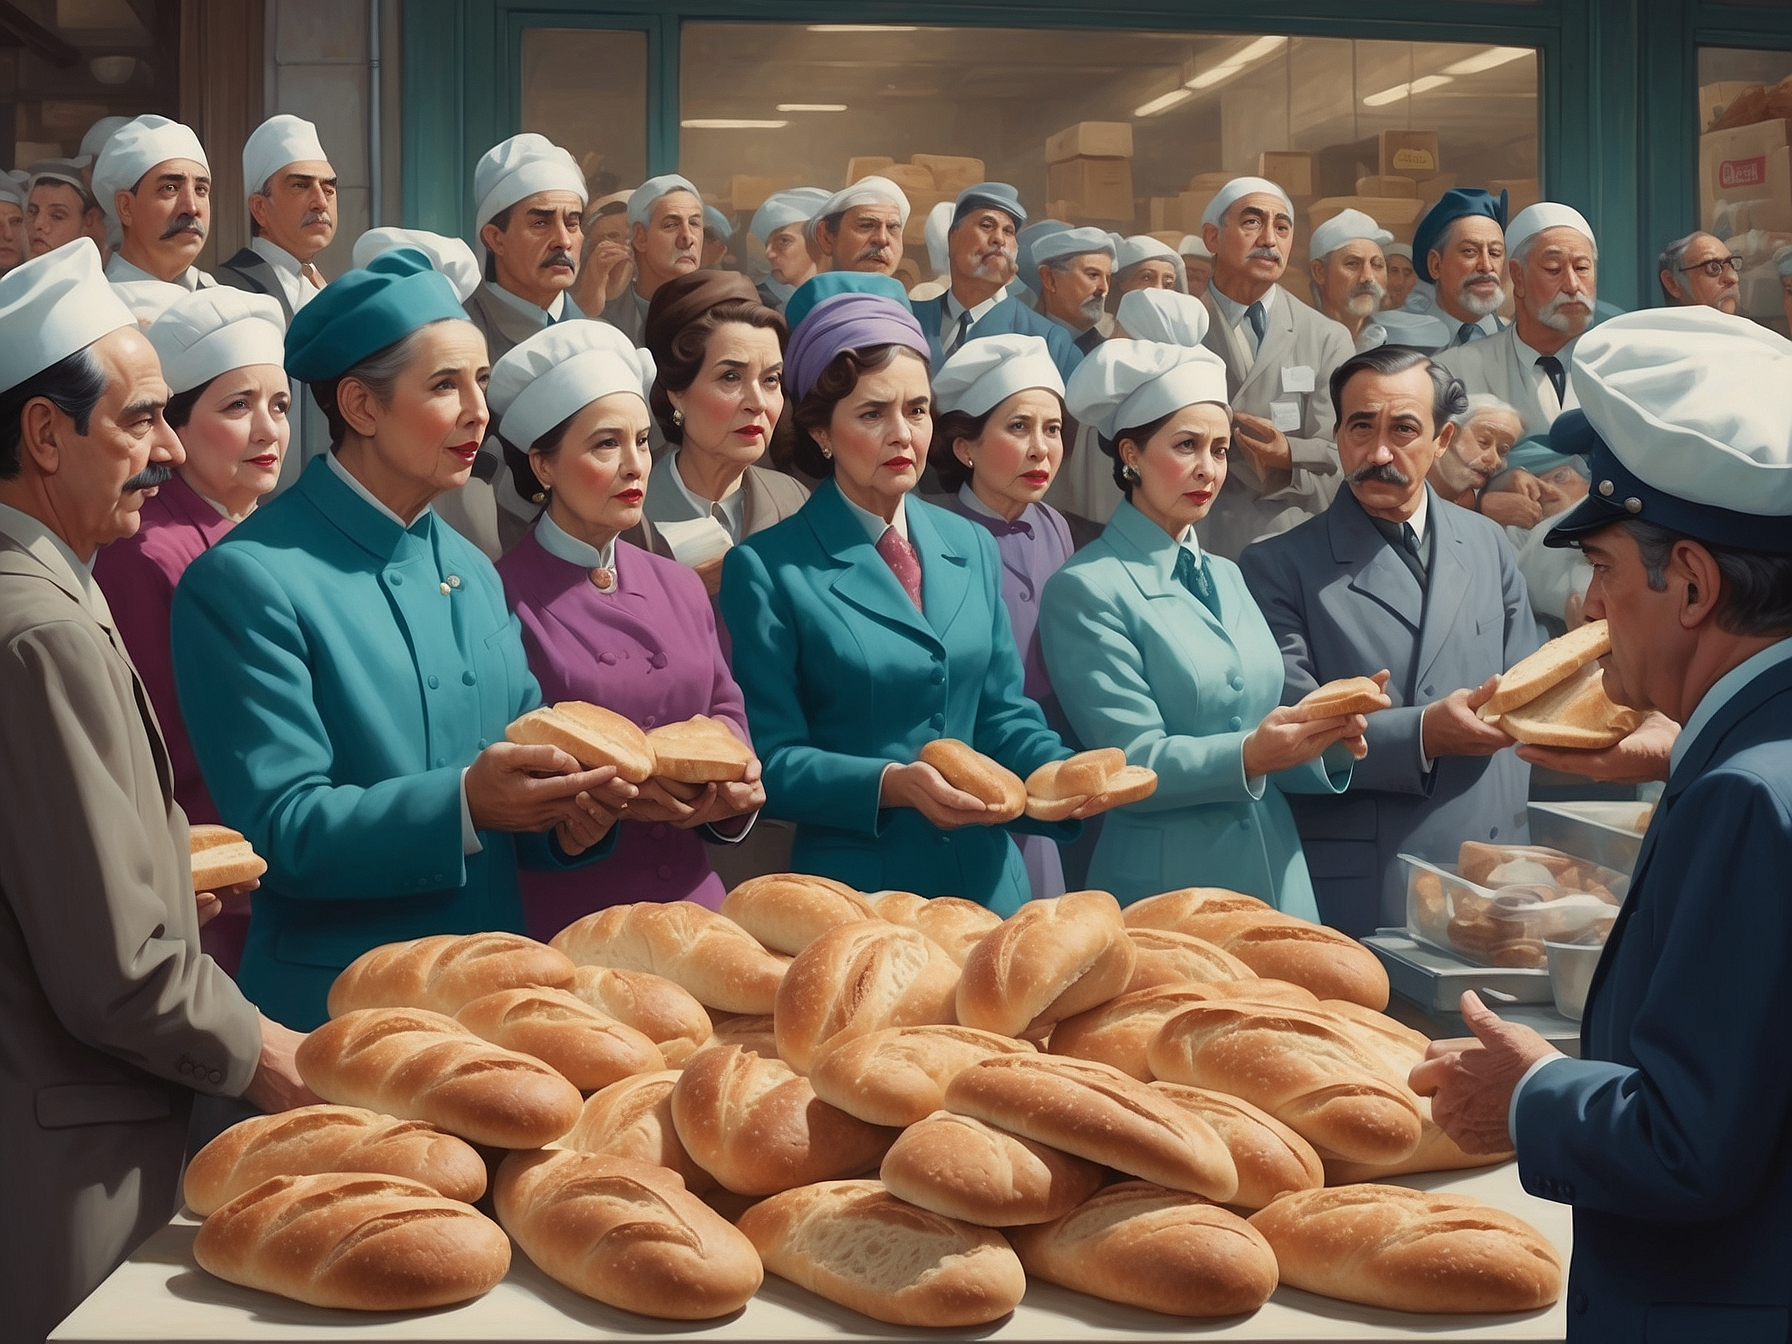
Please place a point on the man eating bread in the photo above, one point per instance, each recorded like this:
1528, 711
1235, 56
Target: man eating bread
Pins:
111, 1015
1671, 1135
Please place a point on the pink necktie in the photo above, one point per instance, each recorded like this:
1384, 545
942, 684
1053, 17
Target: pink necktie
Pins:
903, 562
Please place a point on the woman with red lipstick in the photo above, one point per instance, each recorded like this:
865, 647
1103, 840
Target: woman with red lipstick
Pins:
608, 622
1157, 648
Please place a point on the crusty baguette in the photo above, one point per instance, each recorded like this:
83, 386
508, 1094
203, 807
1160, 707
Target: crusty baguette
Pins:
788, 911
588, 1048
1556, 661
1346, 695
1410, 1250
990, 782
1271, 1158
855, 1243
717, 961
590, 734
898, 1075
665, 1013
626, 1233
1120, 1031
1166, 957
222, 858
954, 923
700, 750
1049, 960
633, 1118
759, 1128
963, 1168
445, 972
859, 978
419, 1065
1575, 712
1163, 1250
361, 1242
1097, 1112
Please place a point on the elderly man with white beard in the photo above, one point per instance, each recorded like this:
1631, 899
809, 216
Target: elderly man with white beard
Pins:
1459, 253
1350, 273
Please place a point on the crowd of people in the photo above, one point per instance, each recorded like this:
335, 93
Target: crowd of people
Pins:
289, 553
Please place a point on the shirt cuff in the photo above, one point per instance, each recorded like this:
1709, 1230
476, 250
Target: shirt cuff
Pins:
470, 843
1253, 784
720, 837
1530, 1073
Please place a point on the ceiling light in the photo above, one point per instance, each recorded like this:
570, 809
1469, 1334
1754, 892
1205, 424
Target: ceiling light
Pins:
1491, 59
811, 107
1399, 91
863, 28
1163, 104
1233, 64
730, 124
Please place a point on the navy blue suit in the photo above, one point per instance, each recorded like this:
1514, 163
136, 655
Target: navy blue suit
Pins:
1672, 1136
1008, 317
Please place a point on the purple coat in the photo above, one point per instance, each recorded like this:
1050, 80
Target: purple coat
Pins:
648, 651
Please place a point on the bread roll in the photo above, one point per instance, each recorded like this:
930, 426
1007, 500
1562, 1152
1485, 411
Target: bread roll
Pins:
1271, 1158
660, 1010
588, 1048
1410, 1250
898, 1075
420, 1065
1097, 1112
361, 1242
222, 858
1573, 713
954, 923
711, 956
963, 1168
700, 750
855, 1243
1058, 788
633, 1119
626, 1233
1346, 695
590, 734
1144, 1246
759, 1128
860, 978
1049, 960
445, 972
1120, 1031
1166, 957
990, 782
750, 1031
1555, 662
1299, 1064
788, 911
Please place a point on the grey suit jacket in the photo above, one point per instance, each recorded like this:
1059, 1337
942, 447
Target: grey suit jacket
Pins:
1251, 506
1343, 604
771, 497
110, 1014
1491, 365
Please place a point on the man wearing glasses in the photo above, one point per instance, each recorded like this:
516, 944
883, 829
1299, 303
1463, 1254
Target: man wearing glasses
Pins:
1700, 270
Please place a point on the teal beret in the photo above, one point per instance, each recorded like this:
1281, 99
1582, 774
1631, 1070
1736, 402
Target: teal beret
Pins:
364, 311
832, 284
1536, 456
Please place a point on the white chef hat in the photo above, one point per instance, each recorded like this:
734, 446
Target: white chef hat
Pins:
52, 306
1782, 260
1236, 190
601, 206
1163, 315
783, 208
148, 299
1421, 331
1397, 250
1533, 219
655, 189
515, 169
1347, 226
212, 331
1123, 384
15, 186
1194, 245
65, 171
983, 373
275, 143
1071, 243
863, 192
1143, 247
558, 372
99, 133
451, 256
716, 223
938, 226
138, 146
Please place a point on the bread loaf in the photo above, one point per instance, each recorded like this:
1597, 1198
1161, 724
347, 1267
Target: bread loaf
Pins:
1555, 662
445, 972
788, 911
963, 1168
660, 1010
1049, 960
1144, 1246
898, 1075
314, 1139
1166, 957
1573, 713
1410, 1250
860, 978
711, 956
1096, 1112
633, 1119
626, 1233
590, 734
954, 923
1120, 1031
855, 1243
1271, 1158
361, 1242
420, 1065
222, 858
750, 1031
990, 782
1299, 1064
1346, 695
701, 750
1058, 788
759, 1128
588, 1048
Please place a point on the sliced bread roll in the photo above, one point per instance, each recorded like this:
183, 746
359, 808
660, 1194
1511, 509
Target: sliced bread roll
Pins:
898, 1075
1144, 1246
590, 734
445, 972
633, 1119
718, 962
788, 911
360, 1242
1058, 788
700, 750
855, 1243
1120, 1031
1555, 662
1271, 1158
1049, 960
1346, 695
1166, 957
625, 1233
588, 1048
990, 782
1575, 712
954, 923
222, 858
665, 1013
314, 1139
1410, 1250
963, 1168
860, 978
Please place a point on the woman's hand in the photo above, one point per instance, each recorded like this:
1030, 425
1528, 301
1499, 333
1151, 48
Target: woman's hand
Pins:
1285, 739
663, 800
923, 788
513, 787
211, 903
725, 802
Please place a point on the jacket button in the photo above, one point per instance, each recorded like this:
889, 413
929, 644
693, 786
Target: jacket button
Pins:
938, 721
663, 872
441, 762
1567, 1192
1577, 1302
1237, 682
185, 1066
395, 580
607, 659
648, 722
1430, 690
482, 744
939, 676
215, 1076
1245, 824
945, 839
1234, 723
1493, 833
434, 682
468, 679
657, 661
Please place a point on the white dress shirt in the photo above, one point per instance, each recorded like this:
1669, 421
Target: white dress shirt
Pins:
119, 271
288, 270
951, 310
1546, 390
875, 526
1236, 315
730, 510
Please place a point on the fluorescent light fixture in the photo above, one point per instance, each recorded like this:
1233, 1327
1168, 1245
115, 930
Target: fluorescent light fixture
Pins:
730, 124
864, 28
1399, 91
1162, 104
1237, 62
1491, 59
811, 107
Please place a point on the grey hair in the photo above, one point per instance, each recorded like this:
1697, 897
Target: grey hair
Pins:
1757, 587
1479, 404
378, 373
1671, 257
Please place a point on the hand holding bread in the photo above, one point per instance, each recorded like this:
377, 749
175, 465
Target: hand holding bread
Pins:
1086, 784
223, 862
996, 787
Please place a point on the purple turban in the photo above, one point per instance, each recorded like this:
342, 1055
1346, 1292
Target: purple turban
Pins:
847, 322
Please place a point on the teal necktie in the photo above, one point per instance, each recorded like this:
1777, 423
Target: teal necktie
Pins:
1197, 576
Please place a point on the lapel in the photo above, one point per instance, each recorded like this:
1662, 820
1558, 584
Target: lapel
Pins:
504, 319
1278, 346
758, 510
351, 515
1379, 574
862, 579
1447, 588
1520, 389
930, 313
668, 502
1225, 343
259, 272
1149, 556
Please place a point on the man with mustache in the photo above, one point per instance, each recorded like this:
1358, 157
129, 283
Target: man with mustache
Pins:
1350, 274
1393, 576
1279, 355
1073, 269
1459, 254
860, 228
1553, 263
1700, 269
665, 233
981, 246
155, 179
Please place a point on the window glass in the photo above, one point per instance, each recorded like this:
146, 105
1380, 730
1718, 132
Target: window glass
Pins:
586, 90
1745, 171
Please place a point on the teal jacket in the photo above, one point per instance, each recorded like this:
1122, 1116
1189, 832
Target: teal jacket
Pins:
337, 673
1139, 663
843, 676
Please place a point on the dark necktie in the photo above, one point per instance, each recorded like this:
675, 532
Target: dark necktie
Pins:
1467, 332
903, 562
1557, 375
959, 332
1259, 320
1196, 575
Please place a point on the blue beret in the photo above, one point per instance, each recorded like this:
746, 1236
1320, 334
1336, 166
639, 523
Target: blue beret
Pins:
365, 311
831, 284
1534, 455
1456, 203
998, 195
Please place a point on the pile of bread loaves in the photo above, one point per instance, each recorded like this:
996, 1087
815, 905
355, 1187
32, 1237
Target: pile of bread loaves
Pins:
906, 1106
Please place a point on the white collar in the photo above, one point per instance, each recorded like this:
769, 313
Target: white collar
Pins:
558, 542
1421, 516
275, 255
875, 526
541, 316
1189, 542
54, 554
368, 495
1722, 692
223, 512
288, 270
120, 271
953, 308
1527, 357
1234, 311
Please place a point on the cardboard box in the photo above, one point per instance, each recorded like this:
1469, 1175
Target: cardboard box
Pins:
1741, 165
1291, 170
1099, 188
1409, 154
1521, 192
1091, 140
1768, 206
866, 165
951, 173
1210, 182
1403, 187
747, 193
1397, 214
1714, 99
911, 177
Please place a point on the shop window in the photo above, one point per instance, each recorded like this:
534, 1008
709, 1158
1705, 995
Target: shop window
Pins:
586, 90
1745, 170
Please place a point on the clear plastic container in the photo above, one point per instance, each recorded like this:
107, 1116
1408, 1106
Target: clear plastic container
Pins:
1507, 925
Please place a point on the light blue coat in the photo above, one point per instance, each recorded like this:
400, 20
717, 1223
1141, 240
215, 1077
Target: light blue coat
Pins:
1139, 663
